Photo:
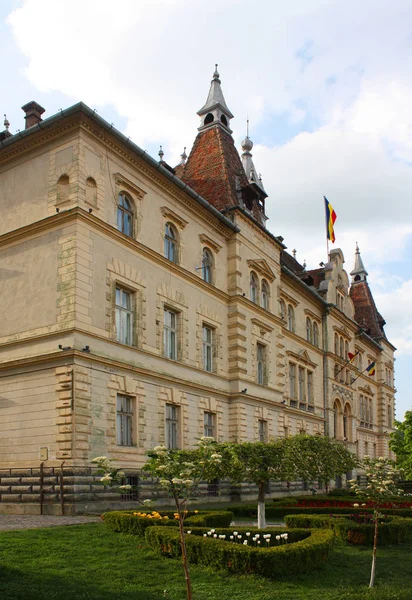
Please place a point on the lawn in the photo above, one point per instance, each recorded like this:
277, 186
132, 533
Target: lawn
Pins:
90, 562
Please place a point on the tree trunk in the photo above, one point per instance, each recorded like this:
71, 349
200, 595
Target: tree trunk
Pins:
183, 546
261, 506
375, 545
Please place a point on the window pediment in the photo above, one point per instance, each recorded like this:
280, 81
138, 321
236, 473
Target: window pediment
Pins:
302, 356
288, 299
311, 314
174, 217
264, 328
123, 182
367, 390
262, 267
205, 239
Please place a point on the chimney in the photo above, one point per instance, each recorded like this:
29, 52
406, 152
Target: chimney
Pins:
33, 113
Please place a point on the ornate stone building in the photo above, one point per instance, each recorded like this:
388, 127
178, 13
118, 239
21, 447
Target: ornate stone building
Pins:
144, 304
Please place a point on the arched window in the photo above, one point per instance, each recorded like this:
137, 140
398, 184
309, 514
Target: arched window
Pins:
254, 287
264, 295
337, 416
209, 118
282, 309
91, 191
291, 318
125, 215
309, 335
63, 188
346, 357
346, 424
341, 349
315, 334
336, 342
170, 243
207, 265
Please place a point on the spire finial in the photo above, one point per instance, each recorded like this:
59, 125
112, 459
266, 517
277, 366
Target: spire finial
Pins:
359, 272
183, 156
161, 154
6, 122
247, 127
294, 253
216, 73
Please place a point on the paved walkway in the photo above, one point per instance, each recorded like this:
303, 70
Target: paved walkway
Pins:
9, 522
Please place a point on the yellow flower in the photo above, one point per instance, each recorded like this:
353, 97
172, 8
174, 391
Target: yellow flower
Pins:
196, 511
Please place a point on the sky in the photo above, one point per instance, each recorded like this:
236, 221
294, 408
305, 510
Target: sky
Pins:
326, 86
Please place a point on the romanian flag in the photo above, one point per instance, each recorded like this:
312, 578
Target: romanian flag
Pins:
330, 220
371, 369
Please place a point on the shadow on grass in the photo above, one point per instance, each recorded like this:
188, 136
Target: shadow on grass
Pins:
18, 585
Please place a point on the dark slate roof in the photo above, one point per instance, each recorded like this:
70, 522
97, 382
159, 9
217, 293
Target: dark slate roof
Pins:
215, 171
366, 313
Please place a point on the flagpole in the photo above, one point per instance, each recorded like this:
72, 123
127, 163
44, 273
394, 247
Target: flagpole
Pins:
359, 375
348, 362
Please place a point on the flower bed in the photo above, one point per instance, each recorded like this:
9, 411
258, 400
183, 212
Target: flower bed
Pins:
304, 551
354, 530
136, 522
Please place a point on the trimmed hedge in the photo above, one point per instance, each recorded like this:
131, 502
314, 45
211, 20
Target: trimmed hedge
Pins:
394, 530
308, 551
127, 522
276, 512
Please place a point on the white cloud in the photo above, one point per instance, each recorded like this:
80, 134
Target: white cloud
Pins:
341, 67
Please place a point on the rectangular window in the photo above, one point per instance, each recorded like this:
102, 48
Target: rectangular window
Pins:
172, 427
292, 380
170, 334
261, 363
124, 420
389, 415
124, 316
262, 430
209, 424
309, 376
301, 375
207, 347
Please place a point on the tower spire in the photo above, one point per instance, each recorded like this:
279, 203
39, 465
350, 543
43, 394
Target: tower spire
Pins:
215, 110
359, 272
247, 161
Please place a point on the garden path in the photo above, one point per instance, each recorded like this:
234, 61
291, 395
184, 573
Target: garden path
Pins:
9, 522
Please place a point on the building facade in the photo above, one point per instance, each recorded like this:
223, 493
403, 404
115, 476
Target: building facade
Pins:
145, 305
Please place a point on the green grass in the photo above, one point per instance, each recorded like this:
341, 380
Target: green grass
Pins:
91, 562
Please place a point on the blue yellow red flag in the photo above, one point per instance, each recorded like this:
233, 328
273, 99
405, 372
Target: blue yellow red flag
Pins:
330, 220
371, 369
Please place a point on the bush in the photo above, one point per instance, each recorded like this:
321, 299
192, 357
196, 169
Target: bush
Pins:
307, 551
130, 522
341, 493
392, 530
276, 513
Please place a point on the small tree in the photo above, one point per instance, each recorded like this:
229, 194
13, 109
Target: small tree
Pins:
401, 444
317, 458
256, 462
179, 473
381, 477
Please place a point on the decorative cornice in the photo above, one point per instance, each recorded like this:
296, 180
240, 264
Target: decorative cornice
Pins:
366, 389
177, 219
261, 266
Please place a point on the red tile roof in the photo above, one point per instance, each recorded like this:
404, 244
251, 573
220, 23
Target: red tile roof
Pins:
366, 313
215, 171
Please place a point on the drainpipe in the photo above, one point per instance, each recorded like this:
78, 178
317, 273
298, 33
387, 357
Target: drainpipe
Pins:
325, 369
